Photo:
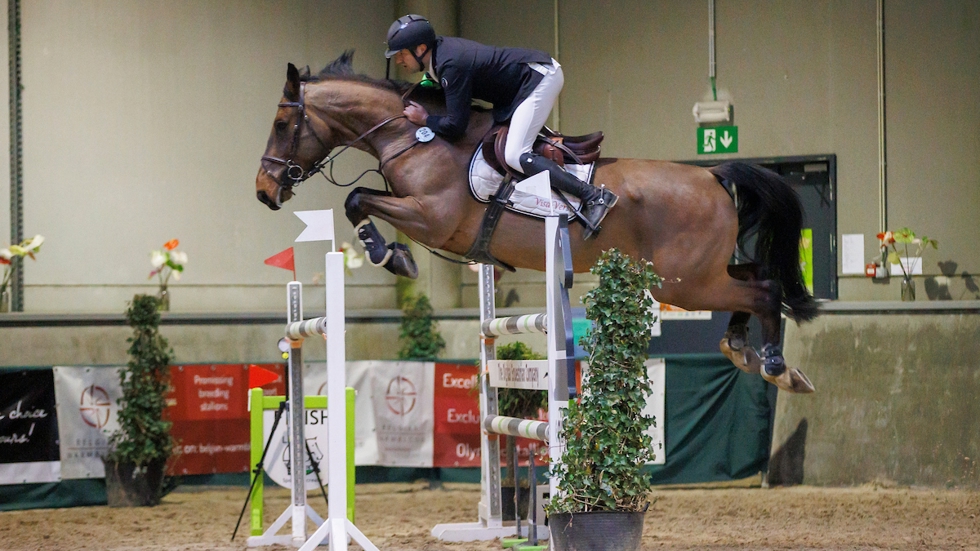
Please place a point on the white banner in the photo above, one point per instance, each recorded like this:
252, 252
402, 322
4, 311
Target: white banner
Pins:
402, 396
278, 461
358, 378
393, 410
657, 372
86, 399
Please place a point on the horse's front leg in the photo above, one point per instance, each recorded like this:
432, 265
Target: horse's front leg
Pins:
395, 257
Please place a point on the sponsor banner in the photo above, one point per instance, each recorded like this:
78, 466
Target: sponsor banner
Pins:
402, 397
88, 406
521, 374
657, 372
208, 392
208, 408
672, 313
29, 450
456, 427
278, 460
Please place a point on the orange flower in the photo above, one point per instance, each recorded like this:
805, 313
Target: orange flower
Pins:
171, 245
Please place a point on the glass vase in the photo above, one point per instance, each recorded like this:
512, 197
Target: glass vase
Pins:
908, 289
163, 300
4, 301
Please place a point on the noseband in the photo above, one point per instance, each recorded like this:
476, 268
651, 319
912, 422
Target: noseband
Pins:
294, 173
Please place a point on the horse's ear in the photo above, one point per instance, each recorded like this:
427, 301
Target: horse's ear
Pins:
305, 73
291, 90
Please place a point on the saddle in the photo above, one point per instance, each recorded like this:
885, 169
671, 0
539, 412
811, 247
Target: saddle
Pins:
578, 150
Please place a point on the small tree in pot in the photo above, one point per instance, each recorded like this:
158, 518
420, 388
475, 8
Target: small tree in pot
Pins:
139, 450
603, 491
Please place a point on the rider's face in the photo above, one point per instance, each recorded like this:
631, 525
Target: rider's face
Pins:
405, 60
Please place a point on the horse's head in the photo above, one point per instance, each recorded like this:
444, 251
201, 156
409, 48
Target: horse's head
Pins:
295, 146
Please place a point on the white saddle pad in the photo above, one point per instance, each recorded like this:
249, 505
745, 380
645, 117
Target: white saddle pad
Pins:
484, 182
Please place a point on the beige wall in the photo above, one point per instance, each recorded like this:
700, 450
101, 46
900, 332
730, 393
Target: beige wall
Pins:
144, 121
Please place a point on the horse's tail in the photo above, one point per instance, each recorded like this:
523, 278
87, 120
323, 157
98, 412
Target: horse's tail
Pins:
770, 209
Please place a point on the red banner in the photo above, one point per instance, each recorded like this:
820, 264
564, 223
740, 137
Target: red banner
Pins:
456, 429
208, 408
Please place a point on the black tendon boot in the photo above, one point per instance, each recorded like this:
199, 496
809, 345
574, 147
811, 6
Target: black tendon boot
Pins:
596, 202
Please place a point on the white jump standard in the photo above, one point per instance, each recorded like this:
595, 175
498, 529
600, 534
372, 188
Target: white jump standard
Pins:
337, 526
556, 375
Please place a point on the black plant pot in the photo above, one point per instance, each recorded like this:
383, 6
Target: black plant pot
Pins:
130, 486
596, 531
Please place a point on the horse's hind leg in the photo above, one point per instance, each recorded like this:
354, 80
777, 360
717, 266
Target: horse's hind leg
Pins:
774, 368
395, 257
763, 299
734, 345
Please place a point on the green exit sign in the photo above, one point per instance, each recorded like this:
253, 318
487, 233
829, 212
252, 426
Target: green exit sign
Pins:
718, 139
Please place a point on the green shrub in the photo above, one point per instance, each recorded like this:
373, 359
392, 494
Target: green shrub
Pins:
143, 434
419, 337
607, 448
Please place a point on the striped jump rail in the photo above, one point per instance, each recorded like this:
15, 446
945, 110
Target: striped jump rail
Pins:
515, 325
306, 328
512, 426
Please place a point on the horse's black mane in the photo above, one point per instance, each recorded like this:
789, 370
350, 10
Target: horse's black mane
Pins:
342, 68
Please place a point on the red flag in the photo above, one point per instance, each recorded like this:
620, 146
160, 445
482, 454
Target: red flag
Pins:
283, 260
258, 376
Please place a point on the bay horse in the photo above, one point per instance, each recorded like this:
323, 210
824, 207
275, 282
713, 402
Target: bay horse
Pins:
679, 217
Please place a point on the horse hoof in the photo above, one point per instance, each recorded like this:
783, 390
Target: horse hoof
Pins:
744, 358
791, 380
401, 262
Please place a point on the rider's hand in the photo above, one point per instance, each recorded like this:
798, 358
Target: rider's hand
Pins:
416, 113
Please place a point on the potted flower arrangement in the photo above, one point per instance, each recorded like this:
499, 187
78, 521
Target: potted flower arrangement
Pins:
602, 495
28, 247
167, 262
139, 449
912, 248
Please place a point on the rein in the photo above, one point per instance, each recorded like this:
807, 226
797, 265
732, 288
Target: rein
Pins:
295, 173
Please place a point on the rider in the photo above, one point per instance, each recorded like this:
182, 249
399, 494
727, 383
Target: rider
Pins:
521, 84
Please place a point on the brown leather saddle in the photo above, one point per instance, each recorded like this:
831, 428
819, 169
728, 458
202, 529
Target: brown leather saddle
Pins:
580, 150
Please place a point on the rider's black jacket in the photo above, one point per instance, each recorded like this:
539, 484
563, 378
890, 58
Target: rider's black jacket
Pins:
468, 70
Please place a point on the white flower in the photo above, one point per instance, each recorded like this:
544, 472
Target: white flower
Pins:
6, 254
178, 257
158, 259
34, 243
176, 275
352, 259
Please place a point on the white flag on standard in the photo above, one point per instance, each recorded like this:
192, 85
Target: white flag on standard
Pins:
319, 225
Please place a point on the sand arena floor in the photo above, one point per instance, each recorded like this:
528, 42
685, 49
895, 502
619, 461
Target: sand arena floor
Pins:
398, 517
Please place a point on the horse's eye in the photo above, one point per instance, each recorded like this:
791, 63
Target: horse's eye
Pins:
281, 126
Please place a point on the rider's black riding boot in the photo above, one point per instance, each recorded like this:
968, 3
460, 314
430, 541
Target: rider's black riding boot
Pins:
596, 202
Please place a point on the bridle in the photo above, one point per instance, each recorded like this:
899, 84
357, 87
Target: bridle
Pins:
294, 174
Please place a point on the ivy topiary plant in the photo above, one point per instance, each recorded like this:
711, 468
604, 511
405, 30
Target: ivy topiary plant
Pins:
139, 450
605, 430
420, 339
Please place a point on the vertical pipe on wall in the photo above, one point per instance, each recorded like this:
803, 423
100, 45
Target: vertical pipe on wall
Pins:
16, 150
882, 158
556, 111
711, 48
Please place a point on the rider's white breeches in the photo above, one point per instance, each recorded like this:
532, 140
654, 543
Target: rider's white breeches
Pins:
532, 113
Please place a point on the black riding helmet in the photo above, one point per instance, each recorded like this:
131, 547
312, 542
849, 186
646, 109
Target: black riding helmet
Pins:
407, 33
